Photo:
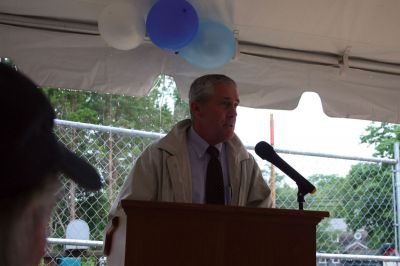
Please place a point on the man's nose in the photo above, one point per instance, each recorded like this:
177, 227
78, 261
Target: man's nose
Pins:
232, 111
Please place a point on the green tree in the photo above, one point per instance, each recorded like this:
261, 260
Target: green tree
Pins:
156, 112
382, 136
376, 182
327, 198
286, 195
368, 202
328, 194
327, 238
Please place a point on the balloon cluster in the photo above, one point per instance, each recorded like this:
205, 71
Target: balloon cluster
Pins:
171, 25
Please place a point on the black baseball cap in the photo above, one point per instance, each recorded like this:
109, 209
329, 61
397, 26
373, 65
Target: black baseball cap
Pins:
28, 147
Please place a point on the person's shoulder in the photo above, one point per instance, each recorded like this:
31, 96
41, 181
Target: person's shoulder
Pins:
236, 143
236, 147
152, 147
173, 141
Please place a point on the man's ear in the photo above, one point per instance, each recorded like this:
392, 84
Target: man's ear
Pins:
196, 109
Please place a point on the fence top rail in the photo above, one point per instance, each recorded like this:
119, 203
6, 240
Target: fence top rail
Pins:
357, 257
78, 242
119, 130
64, 241
336, 156
155, 135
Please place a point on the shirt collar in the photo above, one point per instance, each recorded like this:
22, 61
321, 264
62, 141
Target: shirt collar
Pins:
199, 145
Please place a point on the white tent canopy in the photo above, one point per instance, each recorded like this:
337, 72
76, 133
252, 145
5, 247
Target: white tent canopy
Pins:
346, 51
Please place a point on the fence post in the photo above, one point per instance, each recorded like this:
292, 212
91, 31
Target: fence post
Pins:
397, 194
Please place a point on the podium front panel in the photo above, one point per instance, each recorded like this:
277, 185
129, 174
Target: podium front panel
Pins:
160, 233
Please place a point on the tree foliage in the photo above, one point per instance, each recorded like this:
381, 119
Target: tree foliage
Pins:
156, 112
149, 113
371, 187
382, 136
326, 198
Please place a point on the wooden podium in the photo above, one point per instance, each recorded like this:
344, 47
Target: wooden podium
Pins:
179, 234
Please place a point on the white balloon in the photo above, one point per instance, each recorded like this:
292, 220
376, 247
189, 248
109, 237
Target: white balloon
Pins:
121, 25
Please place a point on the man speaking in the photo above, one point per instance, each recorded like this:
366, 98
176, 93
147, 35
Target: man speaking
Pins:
200, 160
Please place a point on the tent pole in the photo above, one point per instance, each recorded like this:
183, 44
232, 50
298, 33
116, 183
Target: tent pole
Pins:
397, 194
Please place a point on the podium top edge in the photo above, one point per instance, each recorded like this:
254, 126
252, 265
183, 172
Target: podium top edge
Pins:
139, 204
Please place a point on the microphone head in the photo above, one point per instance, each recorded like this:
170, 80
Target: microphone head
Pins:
265, 151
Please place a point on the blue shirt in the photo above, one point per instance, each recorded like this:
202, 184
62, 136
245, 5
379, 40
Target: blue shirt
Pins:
199, 158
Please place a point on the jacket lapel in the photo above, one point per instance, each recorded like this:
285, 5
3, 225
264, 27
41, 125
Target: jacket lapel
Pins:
180, 178
236, 154
178, 172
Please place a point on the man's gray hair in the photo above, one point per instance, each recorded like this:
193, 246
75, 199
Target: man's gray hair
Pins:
202, 88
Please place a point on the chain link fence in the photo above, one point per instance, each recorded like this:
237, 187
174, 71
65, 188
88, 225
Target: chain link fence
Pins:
361, 203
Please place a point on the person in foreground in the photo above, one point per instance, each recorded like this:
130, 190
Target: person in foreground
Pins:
175, 168
31, 158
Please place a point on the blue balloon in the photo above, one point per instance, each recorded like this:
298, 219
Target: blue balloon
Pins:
213, 46
172, 24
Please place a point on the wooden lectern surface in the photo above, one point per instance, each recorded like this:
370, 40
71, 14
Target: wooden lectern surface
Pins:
160, 233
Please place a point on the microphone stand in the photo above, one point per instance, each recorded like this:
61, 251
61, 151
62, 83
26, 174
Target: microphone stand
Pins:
301, 192
300, 199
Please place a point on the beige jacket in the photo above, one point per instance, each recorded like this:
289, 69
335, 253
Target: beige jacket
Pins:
162, 173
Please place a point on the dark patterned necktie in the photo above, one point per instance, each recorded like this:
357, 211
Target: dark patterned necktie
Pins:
214, 179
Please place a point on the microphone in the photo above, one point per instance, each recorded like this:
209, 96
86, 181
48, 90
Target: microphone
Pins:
267, 152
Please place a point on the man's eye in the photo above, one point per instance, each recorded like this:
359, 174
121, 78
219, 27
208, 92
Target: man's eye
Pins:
229, 104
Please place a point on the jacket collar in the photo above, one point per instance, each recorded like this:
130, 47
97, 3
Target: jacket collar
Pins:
170, 143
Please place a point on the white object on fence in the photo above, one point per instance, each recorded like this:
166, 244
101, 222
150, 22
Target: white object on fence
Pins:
77, 229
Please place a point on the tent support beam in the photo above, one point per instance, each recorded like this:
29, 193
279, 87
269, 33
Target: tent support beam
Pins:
46, 23
326, 59
334, 60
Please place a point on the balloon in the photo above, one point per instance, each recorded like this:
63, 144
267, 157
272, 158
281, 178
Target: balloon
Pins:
213, 46
121, 26
172, 24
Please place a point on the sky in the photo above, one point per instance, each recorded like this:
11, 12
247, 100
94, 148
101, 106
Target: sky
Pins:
306, 128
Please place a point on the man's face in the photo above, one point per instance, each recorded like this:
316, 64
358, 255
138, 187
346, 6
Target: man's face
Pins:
215, 119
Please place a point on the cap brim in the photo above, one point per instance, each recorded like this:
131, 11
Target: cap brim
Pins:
78, 169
